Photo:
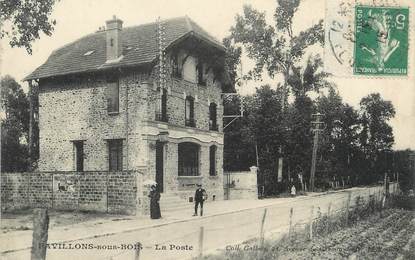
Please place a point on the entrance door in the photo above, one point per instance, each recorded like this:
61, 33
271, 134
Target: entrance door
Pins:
159, 166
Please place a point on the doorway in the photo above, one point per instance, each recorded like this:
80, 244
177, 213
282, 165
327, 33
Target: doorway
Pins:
160, 166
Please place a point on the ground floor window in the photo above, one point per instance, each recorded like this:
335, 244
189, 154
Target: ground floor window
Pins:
115, 155
188, 160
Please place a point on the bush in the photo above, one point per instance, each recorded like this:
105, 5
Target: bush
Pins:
403, 202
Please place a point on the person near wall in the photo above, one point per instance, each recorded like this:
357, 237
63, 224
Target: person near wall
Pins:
200, 197
154, 203
293, 190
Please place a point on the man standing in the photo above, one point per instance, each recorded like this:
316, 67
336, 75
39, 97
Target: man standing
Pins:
200, 196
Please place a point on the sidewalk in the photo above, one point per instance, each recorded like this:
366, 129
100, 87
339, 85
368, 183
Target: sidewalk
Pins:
21, 240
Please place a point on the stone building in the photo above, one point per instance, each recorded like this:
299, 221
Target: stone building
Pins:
145, 98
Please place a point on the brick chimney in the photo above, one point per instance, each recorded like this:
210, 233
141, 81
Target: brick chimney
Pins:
114, 44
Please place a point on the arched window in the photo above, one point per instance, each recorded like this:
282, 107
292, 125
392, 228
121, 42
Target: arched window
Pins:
161, 110
213, 117
188, 159
212, 160
189, 112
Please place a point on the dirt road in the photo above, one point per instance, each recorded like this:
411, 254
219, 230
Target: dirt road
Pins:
182, 239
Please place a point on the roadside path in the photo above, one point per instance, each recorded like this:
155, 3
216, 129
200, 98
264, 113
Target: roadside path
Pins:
226, 223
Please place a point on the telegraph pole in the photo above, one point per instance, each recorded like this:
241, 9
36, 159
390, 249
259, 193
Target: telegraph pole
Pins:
316, 129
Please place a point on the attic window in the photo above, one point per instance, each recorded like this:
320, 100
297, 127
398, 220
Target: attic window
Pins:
127, 49
88, 53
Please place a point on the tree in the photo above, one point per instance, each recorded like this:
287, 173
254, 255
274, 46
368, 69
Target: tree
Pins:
24, 20
14, 126
339, 148
274, 48
232, 59
404, 164
377, 133
376, 136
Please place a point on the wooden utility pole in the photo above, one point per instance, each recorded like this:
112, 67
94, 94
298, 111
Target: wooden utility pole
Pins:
40, 234
316, 129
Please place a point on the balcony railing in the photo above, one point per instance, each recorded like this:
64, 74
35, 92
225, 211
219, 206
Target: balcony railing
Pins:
190, 122
162, 117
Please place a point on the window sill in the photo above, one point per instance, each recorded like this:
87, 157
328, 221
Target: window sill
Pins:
189, 177
113, 113
214, 176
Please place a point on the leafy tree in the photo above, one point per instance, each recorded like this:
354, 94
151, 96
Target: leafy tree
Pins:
274, 48
403, 166
339, 148
232, 59
298, 144
376, 134
14, 126
24, 20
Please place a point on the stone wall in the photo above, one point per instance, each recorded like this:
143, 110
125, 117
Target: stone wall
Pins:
112, 192
241, 185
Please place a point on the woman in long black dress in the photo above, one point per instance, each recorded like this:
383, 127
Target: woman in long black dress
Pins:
154, 203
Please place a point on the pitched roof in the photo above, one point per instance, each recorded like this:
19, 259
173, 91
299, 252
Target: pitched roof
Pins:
142, 48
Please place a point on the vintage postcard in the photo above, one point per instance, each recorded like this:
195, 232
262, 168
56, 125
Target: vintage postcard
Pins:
191, 129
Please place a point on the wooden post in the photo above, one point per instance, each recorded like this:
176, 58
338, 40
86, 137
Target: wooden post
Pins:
311, 223
201, 241
328, 217
40, 234
397, 181
329, 209
291, 222
380, 197
261, 231
347, 207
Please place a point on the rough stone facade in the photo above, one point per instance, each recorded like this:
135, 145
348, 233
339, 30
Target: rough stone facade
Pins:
112, 192
75, 109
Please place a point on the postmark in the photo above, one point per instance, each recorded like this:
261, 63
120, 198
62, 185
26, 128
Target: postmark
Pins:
368, 38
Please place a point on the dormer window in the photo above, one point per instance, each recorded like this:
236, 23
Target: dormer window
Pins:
88, 53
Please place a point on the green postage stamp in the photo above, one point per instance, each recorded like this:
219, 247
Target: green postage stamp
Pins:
368, 38
381, 40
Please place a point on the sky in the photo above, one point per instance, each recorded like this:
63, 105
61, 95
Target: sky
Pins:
76, 18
